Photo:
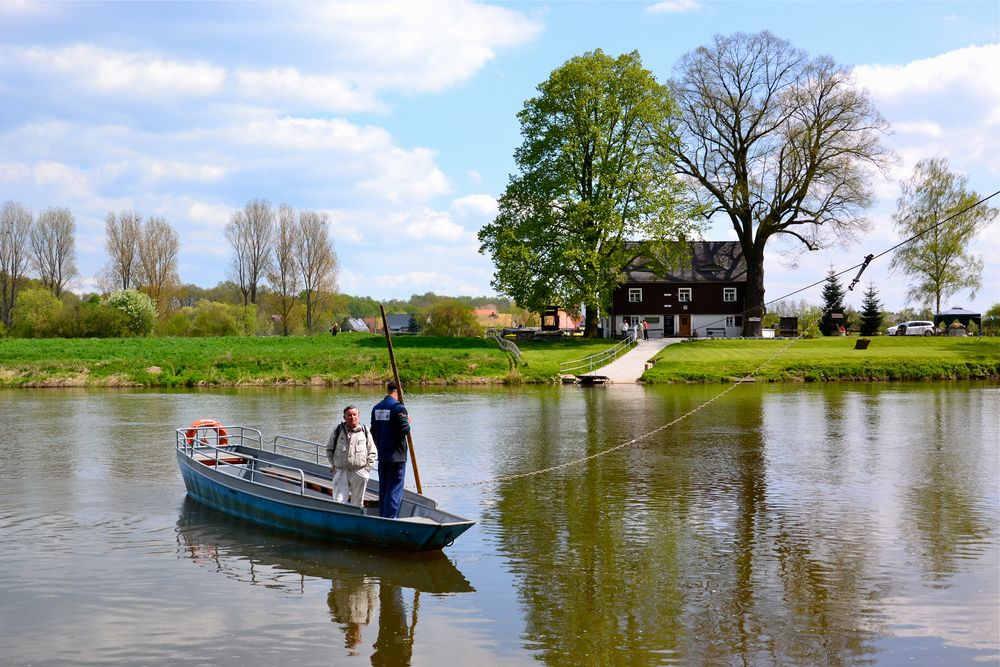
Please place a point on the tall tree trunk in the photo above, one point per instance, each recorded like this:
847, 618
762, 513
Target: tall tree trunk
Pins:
590, 322
755, 291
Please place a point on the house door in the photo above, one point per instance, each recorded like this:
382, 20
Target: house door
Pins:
685, 326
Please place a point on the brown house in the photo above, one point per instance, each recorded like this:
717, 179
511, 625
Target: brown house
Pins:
702, 296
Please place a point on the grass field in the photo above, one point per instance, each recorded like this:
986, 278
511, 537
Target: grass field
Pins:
363, 359
887, 358
232, 361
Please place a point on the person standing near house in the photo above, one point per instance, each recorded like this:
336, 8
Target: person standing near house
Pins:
627, 329
352, 454
390, 424
645, 330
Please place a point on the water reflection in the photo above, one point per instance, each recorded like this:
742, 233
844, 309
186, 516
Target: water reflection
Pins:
755, 537
366, 585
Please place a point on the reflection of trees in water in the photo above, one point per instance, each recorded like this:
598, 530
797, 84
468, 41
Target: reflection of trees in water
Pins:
711, 574
942, 520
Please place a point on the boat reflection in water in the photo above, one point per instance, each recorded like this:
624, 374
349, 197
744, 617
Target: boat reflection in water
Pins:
364, 582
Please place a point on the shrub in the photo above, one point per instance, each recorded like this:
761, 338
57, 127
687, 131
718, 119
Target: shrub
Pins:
37, 313
138, 308
451, 318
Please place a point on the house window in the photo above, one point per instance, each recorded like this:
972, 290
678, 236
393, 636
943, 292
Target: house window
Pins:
634, 294
684, 294
729, 294
734, 320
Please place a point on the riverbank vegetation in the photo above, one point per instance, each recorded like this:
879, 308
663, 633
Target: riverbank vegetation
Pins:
276, 360
352, 359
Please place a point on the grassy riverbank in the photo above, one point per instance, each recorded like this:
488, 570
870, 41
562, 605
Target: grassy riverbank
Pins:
363, 359
314, 360
823, 359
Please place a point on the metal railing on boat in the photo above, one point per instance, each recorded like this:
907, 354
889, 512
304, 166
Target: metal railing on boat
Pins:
218, 451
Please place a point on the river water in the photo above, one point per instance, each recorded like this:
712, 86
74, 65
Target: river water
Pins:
830, 524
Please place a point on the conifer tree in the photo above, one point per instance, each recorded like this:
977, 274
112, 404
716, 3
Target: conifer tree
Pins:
871, 312
833, 302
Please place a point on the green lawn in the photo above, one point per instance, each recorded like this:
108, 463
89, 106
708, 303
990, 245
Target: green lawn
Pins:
169, 362
887, 358
363, 359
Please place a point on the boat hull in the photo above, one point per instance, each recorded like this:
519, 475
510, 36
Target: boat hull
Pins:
316, 517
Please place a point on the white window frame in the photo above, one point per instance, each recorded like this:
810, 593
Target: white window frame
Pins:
684, 295
729, 294
730, 320
635, 295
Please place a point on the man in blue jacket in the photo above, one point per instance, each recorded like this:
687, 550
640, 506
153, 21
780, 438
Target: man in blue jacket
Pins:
390, 424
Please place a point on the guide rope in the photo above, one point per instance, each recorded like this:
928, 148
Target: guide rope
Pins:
749, 377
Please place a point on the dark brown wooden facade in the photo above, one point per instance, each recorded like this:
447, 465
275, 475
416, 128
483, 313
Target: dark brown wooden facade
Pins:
706, 297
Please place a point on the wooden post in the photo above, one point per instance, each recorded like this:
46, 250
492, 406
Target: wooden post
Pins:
399, 393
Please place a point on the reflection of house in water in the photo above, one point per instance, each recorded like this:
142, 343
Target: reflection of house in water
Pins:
358, 576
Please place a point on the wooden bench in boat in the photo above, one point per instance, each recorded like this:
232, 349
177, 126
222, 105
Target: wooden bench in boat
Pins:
223, 459
314, 483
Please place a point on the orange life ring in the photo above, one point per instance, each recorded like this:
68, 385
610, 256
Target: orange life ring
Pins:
220, 432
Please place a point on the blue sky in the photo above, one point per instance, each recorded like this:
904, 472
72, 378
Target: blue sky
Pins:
399, 119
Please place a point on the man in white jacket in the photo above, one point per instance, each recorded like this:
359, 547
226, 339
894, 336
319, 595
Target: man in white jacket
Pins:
352, 454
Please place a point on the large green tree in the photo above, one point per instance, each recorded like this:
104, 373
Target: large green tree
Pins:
939, 259
589, 179
776, 142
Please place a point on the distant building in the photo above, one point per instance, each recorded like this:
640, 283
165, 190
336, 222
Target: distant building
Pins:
402, 324
702, 296
355, 324
489, 318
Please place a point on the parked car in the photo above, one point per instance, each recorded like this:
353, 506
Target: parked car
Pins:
912, 328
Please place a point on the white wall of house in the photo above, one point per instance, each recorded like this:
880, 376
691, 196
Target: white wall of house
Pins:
717, 326
655, 324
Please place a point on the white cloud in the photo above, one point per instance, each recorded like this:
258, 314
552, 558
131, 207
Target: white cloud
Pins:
427, 224
401, 174
974, 67
416, 46
480, 206
177, 170
209, 214
66, 180
11, 172
417, 282
110, 72
674, 6
287, 86
920, 127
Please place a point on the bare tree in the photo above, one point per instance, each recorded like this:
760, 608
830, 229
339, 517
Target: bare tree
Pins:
53, 248
15, 229
122, 233
249, 233
780, 144
156, 262
283, 270
317, 260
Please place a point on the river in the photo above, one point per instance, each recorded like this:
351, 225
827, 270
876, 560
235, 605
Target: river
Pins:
816, 524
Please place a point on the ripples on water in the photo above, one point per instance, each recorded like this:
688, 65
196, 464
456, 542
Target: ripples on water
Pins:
807, 525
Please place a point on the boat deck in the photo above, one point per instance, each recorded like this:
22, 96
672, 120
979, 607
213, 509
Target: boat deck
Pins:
318, 487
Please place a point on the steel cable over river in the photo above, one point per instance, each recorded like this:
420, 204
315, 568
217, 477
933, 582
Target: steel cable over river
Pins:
749, 377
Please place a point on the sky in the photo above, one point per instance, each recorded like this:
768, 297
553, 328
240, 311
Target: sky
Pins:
398, 119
